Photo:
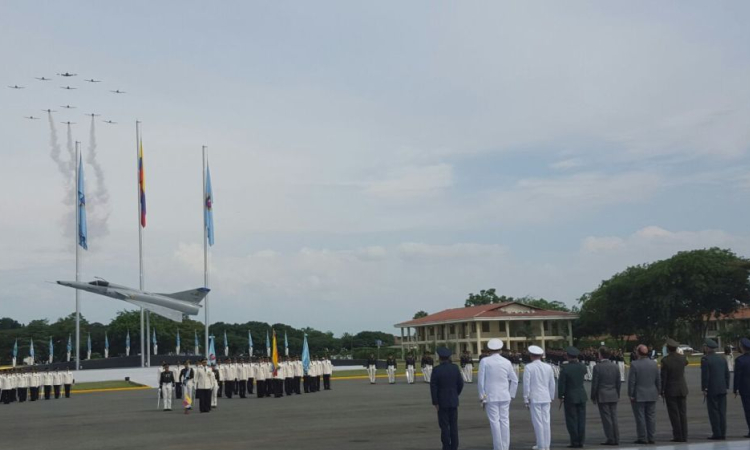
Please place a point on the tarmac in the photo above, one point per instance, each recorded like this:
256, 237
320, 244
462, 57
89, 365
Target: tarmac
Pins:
354, 415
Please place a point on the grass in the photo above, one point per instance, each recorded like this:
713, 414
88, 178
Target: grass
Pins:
115, 384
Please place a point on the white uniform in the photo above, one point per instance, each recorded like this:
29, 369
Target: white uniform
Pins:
497, 384
538, 392
215, 389
166, 389
468, 372
391, 373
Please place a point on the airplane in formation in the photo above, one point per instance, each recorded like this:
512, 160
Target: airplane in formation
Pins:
66, 74
117, 91
67, 88
68, 107
49, 110
15, 86
68, 123
43, 79
93, 81
31, 117
93, 115
171, 306
109, 122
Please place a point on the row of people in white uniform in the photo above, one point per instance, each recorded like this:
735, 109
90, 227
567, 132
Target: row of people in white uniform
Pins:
467, 368
21, 385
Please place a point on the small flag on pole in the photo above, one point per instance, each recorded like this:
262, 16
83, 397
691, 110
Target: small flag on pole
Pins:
82, 230
127, 344
15, 352
226, 345
209, 208
51, 350
268, 345
197, 346
88, 353
250, 342
106, 345
211, 351
70, 347
142, 185
177, 347
31, 350
286, 345
305, 355
156, 344
275, 356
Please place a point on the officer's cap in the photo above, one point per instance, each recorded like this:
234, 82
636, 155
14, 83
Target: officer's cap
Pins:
672, 343
536, 350
444, 352
495, 344
745, 342
572, 351
710, 343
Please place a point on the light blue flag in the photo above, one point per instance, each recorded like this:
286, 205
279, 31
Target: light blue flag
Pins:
89, 343
127, 340
106, 341
268, 345
70, 344
211, 351
208, 209
82, 230
250, 342
305, 355
31, 349
226, 344
15, 349
178, 338
197, 346
153, 340
286, 345
51, 351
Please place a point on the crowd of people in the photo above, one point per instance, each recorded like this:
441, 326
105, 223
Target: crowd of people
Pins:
646, 382
240, 378
22, 384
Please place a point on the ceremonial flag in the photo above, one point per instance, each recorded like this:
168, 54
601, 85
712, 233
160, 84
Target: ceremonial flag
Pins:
286, 345
211, 351
156, 345
250, 342
106, 345
305, 355
82, 230
275, 357
51, 351
127, 344
208, 209
177, 347
31, 350
142, 185
15, 352
187, 402
70, 347
197, 347
268, 345
88, 354
226, 345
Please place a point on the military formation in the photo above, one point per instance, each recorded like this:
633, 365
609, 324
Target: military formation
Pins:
645, 384
238, 378
28, 384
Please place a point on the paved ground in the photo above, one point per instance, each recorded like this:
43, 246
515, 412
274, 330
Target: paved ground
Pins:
355, 415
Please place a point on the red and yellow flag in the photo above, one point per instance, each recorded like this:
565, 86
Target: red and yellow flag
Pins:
275, 355
142, 185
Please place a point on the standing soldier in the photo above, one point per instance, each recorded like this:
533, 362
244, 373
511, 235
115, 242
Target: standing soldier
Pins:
674, 390
497, 384
644, 385
372, 368
469, 367
391, 368
56, 382
426, 363
446, 385
714, 384
742, 379
166, 383
605, 393
228, 377
250, 376
186, 379
204, 382
216, 389
572, 395
260, 379
729, 356
410, 363
34, 383
538, 392
47, 381
327, 372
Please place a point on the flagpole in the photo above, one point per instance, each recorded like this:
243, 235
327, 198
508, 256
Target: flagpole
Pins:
205, 245
140, 231
78, 275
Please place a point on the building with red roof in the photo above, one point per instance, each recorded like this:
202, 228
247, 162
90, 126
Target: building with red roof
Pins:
517, 324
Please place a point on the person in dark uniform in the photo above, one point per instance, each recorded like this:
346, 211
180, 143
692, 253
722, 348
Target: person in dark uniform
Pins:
446, 384
674, 390
742, 379
573, 396
714, 384
166, 384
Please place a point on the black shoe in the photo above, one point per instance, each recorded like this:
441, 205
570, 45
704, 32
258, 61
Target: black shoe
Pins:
639, 442
607, 443
715, 438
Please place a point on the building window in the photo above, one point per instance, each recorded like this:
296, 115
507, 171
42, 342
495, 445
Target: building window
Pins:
452, 329
485, 327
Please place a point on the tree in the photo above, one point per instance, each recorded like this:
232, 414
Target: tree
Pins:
486, 297
420, 314
542, 303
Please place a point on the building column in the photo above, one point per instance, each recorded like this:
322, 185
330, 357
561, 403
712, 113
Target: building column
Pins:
479, 337
507, 334
570, 332
403, 351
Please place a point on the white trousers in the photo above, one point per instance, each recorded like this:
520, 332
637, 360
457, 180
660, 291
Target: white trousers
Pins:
589, 372
190, 387
214, 396
166, 395
427, 373
517, 368
468, 373
498, 414
540, 421
730, 362
410, 374
556, 371
371, 372
621, 366
391, 374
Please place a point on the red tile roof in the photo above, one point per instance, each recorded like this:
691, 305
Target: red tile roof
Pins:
741, 314
482, 311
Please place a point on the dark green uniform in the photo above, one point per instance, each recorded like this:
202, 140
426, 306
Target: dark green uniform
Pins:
570, 389
714, 384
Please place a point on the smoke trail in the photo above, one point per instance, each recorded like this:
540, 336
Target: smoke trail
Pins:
99, 196
54, 145
71, 151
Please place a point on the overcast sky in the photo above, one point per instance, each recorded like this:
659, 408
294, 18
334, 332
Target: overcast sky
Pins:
372, 160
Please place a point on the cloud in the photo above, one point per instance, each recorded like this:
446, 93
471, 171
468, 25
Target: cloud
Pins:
567, 164
413, 182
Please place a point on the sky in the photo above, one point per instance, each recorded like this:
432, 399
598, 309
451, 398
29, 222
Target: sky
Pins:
370, 160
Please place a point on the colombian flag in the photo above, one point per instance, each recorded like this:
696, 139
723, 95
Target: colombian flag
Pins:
142, 186
275, 357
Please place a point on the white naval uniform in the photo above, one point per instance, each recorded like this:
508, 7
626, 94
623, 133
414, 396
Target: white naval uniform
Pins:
468, 370
391, 374
427, 373
410, 373
372, 371
538, 392
730, 362
621, 366
497, 384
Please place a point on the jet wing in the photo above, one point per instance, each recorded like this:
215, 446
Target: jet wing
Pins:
169, 313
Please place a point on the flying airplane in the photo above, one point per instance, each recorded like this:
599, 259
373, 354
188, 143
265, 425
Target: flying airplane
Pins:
93, 81
172, 306
49, 110
117, 92
67, 87
68, 123
66, 74
93, 115
109, 122
43, 79
15, 86
68, 107
30, 117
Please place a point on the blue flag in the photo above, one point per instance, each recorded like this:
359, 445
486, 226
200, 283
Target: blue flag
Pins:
15, 349
211, 351
196, 342
70, 344
208, 210
286, 345
153, 340
305, 355
127, 340
51, 352
250, 342
268, 345
31, 349
178, 338
106, 341
82, 231
89, 343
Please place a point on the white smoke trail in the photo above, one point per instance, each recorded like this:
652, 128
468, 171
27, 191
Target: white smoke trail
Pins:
71, 151
99, 197
54, 145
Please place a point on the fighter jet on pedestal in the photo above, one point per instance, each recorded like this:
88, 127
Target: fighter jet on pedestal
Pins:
171, 306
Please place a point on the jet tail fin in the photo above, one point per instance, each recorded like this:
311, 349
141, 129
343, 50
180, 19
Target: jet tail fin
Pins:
193, 296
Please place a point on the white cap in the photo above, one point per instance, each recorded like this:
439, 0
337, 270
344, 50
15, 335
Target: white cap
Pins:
536, 350
495, 344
